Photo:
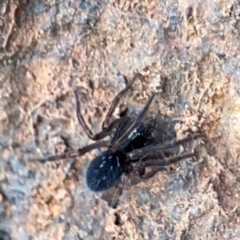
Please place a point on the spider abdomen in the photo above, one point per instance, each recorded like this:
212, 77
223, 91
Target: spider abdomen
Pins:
104, 171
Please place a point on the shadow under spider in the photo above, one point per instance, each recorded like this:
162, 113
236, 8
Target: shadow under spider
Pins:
136, 146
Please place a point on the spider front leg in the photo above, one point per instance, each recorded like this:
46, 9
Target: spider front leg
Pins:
117, 100
105, 132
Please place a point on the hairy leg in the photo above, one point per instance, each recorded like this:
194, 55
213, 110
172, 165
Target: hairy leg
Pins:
158, 165
152, 150
88, 131
117, 99
133, 125
72, 154
121, 186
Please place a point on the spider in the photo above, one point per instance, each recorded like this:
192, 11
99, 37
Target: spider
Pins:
132, 147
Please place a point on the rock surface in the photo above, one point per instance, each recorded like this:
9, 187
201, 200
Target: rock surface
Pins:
48, 47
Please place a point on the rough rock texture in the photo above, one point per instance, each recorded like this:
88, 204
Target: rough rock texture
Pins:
48, 47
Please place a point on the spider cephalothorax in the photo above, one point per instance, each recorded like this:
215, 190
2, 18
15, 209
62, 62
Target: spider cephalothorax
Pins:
107, 168
132, 147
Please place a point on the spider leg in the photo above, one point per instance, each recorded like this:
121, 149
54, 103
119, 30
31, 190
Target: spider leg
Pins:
150, 174
117, 100
88, 131
158, 165
153, 149
121, 186
122, 127
72, 154
137, 120
162, 162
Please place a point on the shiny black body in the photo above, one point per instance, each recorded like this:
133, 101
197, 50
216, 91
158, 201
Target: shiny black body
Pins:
106, 169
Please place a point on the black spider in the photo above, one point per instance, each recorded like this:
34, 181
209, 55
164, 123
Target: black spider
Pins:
132, 147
